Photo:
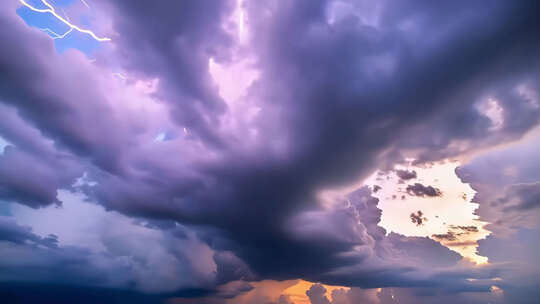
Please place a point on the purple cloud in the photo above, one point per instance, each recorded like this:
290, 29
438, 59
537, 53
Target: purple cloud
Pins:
338, 94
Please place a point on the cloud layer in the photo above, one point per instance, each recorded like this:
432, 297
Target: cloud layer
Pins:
210, 194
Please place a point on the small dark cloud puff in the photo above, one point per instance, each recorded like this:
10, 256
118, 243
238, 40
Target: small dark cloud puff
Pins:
420, 190
418, 218
406, 174
455, 232
449, 236
465, 228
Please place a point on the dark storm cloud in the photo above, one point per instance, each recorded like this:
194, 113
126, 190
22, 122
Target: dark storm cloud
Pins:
336, 129
174, 41
10, 231
420, 190
24, 293
60, 112
31, 170
337, 100
123, 267
521, 250
405, 174
506, 184
230, 268
425, 250
319, 157
30, 293
521, 197
45, 261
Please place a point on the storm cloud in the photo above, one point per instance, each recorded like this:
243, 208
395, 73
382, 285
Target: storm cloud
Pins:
210, 191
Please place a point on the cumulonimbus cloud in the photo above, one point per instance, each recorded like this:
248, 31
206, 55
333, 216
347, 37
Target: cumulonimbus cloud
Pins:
337, 96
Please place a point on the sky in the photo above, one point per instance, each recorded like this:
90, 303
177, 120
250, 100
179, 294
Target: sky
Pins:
269, 152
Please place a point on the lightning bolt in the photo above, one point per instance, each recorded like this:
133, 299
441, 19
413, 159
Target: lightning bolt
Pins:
48, 30
85, 4
56, 35
50, 9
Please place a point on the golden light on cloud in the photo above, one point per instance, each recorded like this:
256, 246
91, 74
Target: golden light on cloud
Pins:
270, 291
444, 202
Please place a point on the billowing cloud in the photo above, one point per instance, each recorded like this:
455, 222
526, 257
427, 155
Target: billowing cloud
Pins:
316, 294
203, 195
